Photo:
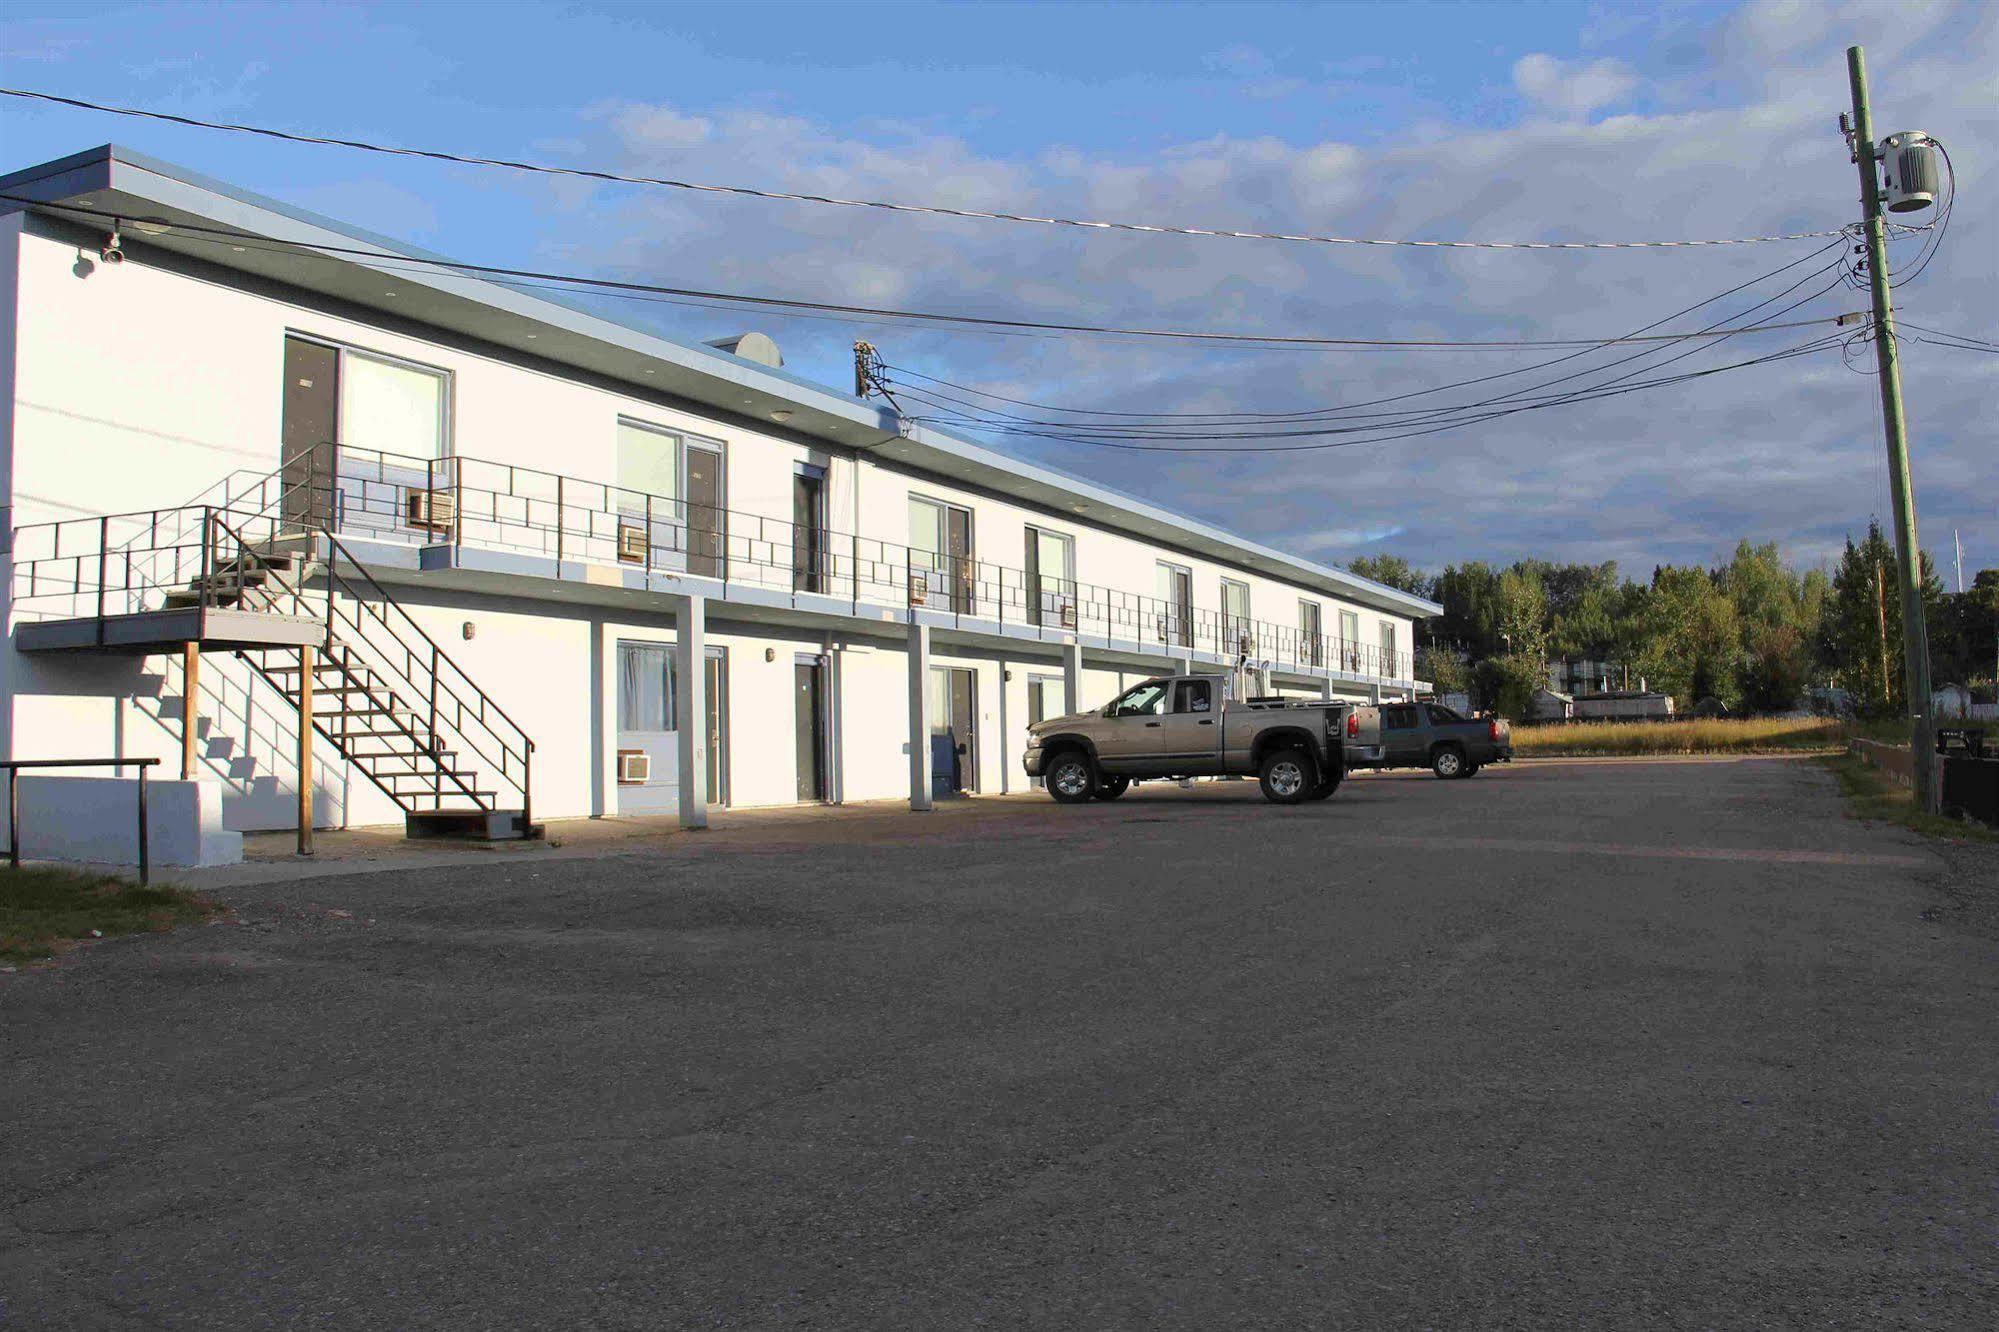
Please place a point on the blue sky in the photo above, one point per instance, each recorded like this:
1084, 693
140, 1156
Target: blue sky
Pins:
1505, 121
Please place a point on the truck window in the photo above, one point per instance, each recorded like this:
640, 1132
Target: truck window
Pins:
1146, 700
1401, 718
1194, 696
1438, 714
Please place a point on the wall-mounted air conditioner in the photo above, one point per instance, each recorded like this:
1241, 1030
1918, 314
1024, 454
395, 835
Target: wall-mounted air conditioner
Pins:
1068, 615
631, 544
634, 767
432, 510
919, 588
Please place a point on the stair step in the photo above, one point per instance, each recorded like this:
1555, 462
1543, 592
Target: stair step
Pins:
483, 825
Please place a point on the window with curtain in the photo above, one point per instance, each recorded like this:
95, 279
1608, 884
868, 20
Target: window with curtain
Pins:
645, 687
389, 407
648, 462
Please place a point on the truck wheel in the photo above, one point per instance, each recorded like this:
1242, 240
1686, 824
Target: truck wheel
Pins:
1072, 778
1288, 777
1448, 762
1110, 788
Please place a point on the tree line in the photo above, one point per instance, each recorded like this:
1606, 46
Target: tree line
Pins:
1756, 633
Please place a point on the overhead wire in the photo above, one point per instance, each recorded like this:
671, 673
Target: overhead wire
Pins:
879, 205
392, 261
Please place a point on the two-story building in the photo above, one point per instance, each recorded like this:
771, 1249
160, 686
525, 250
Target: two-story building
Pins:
512, 556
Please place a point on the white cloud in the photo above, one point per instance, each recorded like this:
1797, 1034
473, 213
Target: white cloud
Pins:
1789, 452
1572, 90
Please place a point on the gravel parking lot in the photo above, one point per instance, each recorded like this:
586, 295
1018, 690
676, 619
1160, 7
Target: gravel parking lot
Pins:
1591, 1044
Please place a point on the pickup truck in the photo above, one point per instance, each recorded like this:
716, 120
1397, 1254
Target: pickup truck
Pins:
1191, 726
1425, 735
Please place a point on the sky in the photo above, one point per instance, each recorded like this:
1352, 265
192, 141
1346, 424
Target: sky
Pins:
1442, 121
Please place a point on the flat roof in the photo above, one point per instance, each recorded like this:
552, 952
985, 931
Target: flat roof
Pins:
115, 179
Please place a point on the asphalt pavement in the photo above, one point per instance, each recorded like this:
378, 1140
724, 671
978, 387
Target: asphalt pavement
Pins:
1600, 1045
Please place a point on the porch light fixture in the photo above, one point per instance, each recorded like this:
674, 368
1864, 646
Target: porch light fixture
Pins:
780, 416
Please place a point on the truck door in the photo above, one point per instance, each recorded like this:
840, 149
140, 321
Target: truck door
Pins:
1191, 734
1402, 735
1133, 725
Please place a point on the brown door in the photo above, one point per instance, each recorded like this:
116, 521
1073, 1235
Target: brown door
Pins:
808, 532
311, 425
964, 733
958, 545
707, 528
809, 695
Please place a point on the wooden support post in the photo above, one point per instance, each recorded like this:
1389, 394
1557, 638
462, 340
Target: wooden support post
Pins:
305, 668
190, 714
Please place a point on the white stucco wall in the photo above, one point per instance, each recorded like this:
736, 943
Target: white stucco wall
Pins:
136, 387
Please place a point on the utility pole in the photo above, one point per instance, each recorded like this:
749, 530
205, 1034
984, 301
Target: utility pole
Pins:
1915, 634
1881, 623
1958, 545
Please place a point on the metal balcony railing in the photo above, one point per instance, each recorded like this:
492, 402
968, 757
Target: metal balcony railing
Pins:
471, 502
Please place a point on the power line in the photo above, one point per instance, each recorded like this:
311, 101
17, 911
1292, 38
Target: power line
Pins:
1802, 349
936, 210
392, 261
1144, 425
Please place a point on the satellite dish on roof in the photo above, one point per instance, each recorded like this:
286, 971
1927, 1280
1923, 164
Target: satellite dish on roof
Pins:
756, 347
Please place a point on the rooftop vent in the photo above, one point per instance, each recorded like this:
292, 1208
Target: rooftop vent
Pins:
756, 347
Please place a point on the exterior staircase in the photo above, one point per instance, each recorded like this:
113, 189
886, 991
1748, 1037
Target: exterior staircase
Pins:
292, 602
382, 692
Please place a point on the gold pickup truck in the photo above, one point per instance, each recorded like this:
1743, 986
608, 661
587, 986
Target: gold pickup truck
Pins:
1176, 726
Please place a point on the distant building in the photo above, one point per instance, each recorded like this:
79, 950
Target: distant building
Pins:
1582, 675
1624, 703
1551, 705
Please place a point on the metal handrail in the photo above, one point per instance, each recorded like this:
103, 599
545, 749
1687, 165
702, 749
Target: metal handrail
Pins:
14, 766
369, 490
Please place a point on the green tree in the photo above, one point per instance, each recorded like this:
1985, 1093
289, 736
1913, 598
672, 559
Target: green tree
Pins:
1855, 616
1393, 571
1690, 637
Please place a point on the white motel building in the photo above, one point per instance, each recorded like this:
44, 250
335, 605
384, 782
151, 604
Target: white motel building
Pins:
521, 562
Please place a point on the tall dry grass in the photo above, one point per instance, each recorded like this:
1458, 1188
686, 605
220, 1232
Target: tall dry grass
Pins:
1719, 735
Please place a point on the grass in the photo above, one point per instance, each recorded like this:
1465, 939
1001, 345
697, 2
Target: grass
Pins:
1871, 794
1718, 735
46, 911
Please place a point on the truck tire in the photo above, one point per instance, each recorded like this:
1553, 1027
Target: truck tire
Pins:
1448, 762
1288, 776
1110, 788
1071, 777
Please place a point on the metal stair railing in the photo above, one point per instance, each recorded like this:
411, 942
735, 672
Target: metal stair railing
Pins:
398, 649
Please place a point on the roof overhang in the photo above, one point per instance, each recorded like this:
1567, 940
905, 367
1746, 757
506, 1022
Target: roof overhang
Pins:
378, 275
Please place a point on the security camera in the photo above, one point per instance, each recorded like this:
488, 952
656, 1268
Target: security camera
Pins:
111, 254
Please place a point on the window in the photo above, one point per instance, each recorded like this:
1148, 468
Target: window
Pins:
1145, 700
645, 687
1443, 714
1044, 698
940, 554
1051, 573
648, 462
392, 407
1312, 642
1193, 696
1349, 649
1235, 617
1401, 717
1388, 666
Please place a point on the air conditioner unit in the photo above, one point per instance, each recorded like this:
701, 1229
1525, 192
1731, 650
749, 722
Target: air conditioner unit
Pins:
919, 588
1245, 646
433, 510
631, 544
1165, 628
1068, 615
634, 767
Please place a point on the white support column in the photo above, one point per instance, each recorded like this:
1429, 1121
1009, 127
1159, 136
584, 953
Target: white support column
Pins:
1374, 694
690, 663
1325, 686
1072, 676
919, 713
1183, 665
